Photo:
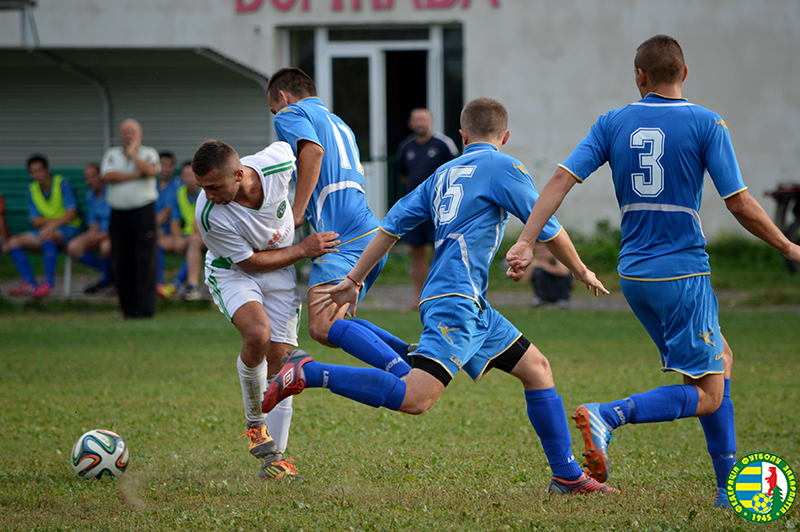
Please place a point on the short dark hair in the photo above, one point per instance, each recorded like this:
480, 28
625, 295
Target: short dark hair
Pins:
187, 163
96, 166
484, 118
37, 158
661, 57
167, 154
293, 81
213, 155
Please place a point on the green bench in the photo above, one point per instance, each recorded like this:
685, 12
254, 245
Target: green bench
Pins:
14, 188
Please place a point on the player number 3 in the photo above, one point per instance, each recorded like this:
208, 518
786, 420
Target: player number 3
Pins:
650, 182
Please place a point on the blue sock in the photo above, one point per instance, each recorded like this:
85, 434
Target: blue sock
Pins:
369, 386
160, 265
616, 413
363, 344
181, 277
398, 346
549, 420
91, 260
23, 265
108, 271
720, 432
50, 259
666, 403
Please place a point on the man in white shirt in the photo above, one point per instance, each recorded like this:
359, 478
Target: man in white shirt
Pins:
246, 221
130, 171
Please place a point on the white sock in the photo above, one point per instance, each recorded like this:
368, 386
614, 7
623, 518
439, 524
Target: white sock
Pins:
254, 384
278, 422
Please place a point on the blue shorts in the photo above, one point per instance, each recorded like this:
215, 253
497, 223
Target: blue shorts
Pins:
334, 267
456, 334
67, 233
681, 317
421, 235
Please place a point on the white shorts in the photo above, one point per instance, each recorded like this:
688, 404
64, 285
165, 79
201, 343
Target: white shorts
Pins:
276, 291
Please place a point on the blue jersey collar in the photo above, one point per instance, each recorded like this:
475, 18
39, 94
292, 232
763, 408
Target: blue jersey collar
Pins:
655, 96
480, 146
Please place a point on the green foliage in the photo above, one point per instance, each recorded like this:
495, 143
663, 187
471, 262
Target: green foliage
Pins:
168, 386
600, 251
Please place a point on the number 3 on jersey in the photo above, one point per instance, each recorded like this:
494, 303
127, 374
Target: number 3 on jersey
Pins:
449, 193
650, 182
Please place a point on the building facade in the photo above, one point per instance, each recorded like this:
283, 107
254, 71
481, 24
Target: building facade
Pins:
556, 65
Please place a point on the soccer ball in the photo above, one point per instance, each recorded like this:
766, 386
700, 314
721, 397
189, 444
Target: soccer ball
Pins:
761, 503
99, 452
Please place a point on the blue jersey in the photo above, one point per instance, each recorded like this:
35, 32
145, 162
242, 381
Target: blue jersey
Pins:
98, 211
167, 198
338, 202
469, 200
659, 150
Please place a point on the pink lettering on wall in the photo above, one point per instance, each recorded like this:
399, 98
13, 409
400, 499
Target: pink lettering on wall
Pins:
250, 6
338, 5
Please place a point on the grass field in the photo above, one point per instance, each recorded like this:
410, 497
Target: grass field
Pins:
473, 462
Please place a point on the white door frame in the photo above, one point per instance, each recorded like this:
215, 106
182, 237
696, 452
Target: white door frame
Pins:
326, 50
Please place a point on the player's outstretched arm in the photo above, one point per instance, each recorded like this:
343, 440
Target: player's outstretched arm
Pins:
309, 163
346, 292
520, 255
561, 246
752, 216
275, 259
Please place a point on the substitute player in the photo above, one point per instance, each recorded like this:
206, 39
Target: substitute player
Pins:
246, 223
330, 190
659, 149
469, 200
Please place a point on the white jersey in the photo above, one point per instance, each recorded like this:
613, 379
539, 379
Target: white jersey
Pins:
233, 233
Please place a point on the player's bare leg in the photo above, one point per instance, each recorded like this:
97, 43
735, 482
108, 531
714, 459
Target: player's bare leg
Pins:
320, 324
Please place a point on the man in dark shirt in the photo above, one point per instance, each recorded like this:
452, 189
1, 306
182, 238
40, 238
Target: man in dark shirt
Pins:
418, 156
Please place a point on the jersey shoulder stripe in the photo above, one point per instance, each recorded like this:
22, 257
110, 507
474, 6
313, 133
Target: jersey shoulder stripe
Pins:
276, 168
205, 215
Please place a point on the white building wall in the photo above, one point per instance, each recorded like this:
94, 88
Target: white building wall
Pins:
556, 64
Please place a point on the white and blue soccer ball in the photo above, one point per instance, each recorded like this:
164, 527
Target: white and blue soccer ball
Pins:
99, 452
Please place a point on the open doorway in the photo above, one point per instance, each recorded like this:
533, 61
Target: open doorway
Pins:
406, 89
372, 77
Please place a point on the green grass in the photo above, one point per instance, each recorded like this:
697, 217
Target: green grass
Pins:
473, 462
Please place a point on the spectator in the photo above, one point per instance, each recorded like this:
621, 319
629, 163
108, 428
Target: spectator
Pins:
5, 233
130, 171
98, 213
53, 212
168, 184
418, 156
185, 237
552, 281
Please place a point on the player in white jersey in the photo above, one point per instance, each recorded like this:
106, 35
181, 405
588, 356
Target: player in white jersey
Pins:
246, 222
